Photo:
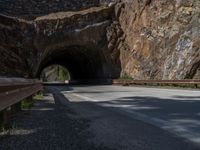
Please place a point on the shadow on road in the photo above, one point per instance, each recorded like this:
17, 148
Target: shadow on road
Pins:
62, 124
49, 126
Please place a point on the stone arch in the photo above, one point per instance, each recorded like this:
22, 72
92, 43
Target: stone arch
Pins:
77, 40
82, 62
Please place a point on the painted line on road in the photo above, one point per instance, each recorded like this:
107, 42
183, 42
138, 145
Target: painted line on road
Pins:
85, 97
173, 128
139, 116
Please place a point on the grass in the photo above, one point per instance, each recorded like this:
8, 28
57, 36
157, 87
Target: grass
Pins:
27, 103
38, 96
126, 77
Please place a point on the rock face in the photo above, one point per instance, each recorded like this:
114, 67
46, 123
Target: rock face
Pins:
161, 39
76, 40
17, 55
30, 9
144, 39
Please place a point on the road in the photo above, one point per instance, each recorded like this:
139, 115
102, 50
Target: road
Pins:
108, 118
174, 110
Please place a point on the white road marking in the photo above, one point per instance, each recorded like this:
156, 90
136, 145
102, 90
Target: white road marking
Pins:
161, 123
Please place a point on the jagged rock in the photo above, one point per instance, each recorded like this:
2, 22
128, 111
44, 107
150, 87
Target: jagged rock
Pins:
101, 39
162, 38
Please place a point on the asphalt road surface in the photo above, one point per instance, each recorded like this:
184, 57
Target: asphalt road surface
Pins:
109, 118
174, 110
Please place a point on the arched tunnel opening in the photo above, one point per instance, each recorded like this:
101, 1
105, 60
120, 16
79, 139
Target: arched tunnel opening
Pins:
55, 74
83, 63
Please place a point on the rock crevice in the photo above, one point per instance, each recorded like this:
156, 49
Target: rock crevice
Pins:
160, 37
143, 39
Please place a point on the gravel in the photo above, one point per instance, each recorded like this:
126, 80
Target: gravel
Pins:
48, 126
70, 123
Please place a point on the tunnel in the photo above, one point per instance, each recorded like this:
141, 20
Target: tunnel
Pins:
82, 62
77, 40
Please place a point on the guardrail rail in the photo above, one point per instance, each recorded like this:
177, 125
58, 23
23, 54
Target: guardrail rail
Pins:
186, 82
14, 90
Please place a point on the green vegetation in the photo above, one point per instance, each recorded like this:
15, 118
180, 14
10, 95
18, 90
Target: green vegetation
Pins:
63, 74
38, 96
27, 103
55, 73
126, 77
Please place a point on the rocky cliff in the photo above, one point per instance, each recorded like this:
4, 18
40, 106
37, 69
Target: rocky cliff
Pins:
144, 39
160, 40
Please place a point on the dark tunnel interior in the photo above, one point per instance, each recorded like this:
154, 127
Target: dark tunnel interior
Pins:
82, 62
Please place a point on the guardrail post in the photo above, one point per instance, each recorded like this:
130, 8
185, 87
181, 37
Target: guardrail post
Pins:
16, 107
5, 118
30, 98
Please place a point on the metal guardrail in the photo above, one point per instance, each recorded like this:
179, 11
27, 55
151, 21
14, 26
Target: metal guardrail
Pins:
157, 82
13, 90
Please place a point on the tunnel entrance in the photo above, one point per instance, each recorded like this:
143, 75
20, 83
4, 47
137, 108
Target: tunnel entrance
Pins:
77, 40
82, 63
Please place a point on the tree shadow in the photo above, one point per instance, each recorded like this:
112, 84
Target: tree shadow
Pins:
181, 114
49, 125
